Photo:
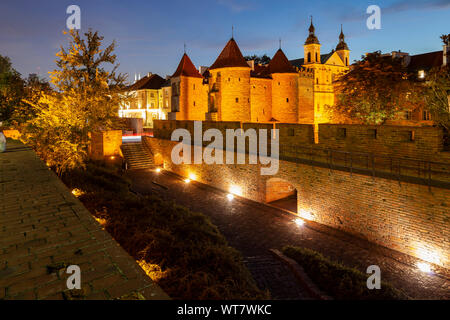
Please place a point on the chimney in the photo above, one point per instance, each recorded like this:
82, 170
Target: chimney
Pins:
202, 69
251, 64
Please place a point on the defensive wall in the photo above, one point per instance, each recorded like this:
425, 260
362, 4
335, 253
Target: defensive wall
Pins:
387, 184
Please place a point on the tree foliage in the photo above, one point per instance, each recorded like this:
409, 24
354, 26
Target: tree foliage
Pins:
34, 88
437, 95
87, 99
264, 59
11, 89
375, 90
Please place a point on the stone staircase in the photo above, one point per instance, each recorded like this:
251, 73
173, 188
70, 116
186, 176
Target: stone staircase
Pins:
137, 156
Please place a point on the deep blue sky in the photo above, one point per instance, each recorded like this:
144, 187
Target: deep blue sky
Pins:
150, 34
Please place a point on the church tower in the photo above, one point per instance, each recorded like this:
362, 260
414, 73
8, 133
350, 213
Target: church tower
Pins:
312, 46
342, 49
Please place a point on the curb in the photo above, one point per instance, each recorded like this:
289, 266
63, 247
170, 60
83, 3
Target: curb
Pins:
301, 276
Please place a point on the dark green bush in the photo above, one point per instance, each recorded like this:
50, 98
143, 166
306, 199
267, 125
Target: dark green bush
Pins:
339, 281
194, 256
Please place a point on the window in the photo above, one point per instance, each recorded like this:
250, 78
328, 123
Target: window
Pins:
342, 133
317, 81
426, 115
373, 133
194, 103
194, 86
309, 56
291, 132
408, 115
346, 61
152, 95
237, 100
287, 100
411, 136
317, 59
421, 74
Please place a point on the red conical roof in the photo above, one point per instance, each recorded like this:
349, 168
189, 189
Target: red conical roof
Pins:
186, 68
280, 64
230, 56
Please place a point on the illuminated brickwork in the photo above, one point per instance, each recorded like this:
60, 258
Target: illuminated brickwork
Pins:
401, 204
283, 91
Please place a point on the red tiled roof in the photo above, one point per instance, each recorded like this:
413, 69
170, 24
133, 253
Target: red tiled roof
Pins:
426, 61
260, 71
186, 68
152, 82
280, 64
230, 56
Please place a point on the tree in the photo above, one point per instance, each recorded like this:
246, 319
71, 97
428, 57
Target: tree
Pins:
437, 94
264, 59
34, 88
86, 100
11, 89
375, 90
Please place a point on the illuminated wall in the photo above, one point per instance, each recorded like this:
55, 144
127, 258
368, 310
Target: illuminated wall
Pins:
410, 218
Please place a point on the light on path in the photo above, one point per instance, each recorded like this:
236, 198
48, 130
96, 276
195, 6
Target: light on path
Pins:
187, 180
424, 267
158, 170
236, 190
230, 197
299, 222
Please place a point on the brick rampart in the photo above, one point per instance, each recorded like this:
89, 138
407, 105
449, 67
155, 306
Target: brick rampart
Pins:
411, 218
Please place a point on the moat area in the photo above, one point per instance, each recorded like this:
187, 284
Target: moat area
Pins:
254, 229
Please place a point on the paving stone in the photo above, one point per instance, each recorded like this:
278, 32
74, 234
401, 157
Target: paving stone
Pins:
42, 224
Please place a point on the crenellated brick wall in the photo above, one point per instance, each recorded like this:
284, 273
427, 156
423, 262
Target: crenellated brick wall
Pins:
420, 142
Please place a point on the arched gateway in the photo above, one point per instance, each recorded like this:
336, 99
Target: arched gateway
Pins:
281, 193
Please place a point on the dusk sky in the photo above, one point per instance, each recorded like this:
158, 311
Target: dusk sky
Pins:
150, 35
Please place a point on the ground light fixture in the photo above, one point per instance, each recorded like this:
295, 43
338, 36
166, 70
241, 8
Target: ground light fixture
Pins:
236, 190
158, 170
299, 222
187, 180
424, 267
230, 196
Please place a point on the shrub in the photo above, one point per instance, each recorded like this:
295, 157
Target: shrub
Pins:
339, 281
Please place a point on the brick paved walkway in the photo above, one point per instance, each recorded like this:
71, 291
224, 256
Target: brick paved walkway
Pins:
44, 228
253, 229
